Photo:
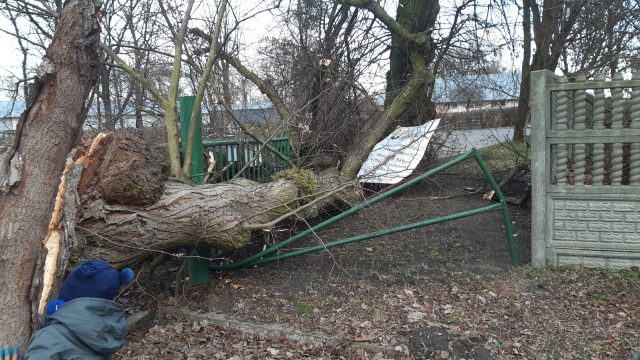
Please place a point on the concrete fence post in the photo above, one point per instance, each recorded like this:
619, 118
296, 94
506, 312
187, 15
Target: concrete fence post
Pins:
540, 105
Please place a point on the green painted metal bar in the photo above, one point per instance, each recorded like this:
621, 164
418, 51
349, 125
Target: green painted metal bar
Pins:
197, 162
505, 209
198, 269
460, 215
236, 150
249, 261
210, 143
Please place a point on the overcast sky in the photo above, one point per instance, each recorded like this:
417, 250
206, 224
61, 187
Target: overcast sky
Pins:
260, 24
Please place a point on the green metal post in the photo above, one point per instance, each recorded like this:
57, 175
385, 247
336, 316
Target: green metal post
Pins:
198, 268
505, 209
196, 170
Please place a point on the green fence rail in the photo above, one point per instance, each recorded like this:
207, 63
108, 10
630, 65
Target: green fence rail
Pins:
230, 156
272, 253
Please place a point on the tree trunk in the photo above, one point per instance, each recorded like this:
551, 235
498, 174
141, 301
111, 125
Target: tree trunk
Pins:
552, 29
49, 129
138, 104
408, 101
415, 16
522, 112
105, 96
128, 212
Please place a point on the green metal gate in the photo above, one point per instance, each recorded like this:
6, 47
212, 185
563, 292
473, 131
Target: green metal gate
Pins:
274, 253
228, 158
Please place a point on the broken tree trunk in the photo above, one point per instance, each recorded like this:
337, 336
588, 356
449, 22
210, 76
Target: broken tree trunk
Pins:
129, 212
30, 170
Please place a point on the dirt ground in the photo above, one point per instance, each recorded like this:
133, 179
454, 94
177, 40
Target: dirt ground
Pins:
446, 291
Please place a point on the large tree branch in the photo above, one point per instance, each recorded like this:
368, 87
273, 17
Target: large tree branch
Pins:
204, 80
378, 128
170, 117
420, 39
264, 86
536, 17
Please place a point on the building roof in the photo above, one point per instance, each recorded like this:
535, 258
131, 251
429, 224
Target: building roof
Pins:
481, 87
11, 109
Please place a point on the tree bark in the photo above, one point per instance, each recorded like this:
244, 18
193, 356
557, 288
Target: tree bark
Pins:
522, 111
551, 29
416, 16
29, 172
183, 217
128, 212
410, 102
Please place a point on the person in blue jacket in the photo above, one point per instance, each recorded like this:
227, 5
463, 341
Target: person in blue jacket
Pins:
84, 322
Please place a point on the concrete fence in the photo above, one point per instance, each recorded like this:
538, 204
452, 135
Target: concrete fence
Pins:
585, 171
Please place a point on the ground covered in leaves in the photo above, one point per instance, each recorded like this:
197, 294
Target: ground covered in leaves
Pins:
447, 291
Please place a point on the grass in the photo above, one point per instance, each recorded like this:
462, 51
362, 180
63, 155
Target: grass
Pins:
496, 344
369, 302
302, 307
452, 319
602, 297
620, 274
506, 151
500, 158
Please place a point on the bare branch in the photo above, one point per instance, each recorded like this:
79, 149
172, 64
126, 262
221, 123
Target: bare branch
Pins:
133, 73
204, 80
420, 39
46, 10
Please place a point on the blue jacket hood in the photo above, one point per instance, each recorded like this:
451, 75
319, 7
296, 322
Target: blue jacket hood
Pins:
83, 328
100, 324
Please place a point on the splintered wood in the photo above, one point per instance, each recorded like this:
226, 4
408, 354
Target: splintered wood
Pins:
53, 239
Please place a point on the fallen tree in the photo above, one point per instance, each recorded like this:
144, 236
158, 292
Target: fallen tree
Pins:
112, 198
128, 212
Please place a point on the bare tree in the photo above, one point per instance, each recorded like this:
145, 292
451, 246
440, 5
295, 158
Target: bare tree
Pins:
128, 214
569, 31
605, 43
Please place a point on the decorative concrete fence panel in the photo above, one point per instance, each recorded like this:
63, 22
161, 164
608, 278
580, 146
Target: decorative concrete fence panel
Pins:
585, 137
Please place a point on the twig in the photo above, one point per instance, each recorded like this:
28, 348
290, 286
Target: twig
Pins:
93, 233
179, 280
295, 211
218, 173
431, 198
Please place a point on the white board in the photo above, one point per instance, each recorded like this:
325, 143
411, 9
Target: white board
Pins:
397, 155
